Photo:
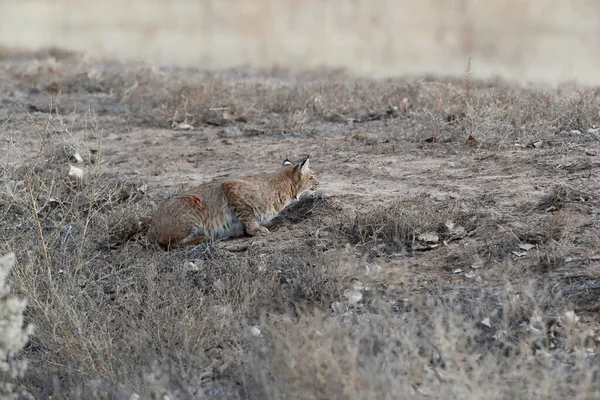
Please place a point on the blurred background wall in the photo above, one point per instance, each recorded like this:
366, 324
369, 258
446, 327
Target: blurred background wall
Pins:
528, 40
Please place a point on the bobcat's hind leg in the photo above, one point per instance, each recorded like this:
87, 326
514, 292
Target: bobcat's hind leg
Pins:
175, 243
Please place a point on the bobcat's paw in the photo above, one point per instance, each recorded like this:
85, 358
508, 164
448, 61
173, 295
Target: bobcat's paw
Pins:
260, 231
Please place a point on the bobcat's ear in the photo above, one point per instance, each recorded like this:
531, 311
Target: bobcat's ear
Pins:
303, 166
287, 162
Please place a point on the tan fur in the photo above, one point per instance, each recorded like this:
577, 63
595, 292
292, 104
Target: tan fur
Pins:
231, 207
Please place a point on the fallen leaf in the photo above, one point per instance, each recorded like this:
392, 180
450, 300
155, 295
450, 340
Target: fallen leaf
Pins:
372, 269
518, 254
192, 266
78, 157
457, 271
456, 230
526, 246
570, 317
75, 172
242, 118
423, 247
429, 237
470, 141
486, 322
255, 330
183, 127
353, 296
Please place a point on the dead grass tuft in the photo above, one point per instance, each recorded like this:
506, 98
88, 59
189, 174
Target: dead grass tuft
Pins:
401, 225
562, 195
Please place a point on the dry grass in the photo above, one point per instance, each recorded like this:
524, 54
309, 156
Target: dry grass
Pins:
436, 348
115, 316
401, 224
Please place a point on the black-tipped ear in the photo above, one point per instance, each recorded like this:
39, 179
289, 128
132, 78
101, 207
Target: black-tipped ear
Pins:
303, 166
287, 162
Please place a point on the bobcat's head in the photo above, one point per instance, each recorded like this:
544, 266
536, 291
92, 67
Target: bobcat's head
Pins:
302, 177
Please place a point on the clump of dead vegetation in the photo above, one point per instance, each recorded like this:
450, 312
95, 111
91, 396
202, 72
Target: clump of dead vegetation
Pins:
469, 343
408, 225
562, 195
506, 309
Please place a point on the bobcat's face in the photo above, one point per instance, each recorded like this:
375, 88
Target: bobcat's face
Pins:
307, 181
305, 177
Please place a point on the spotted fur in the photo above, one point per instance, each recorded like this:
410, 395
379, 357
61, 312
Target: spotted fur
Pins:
231, 207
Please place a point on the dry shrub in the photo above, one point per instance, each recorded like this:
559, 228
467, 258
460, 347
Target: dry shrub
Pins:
496, 113
53, 208
561, 195
449, 343
126, 224
133, 310
398, 225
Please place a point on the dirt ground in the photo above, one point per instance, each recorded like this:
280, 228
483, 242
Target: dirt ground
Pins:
452, 246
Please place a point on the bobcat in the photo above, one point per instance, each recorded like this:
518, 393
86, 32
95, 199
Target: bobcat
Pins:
231, 207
